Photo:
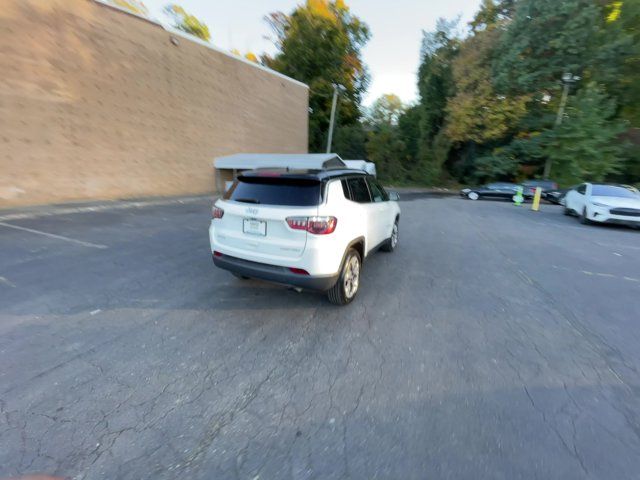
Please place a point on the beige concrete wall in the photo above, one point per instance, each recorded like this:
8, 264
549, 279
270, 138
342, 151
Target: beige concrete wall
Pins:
99, 104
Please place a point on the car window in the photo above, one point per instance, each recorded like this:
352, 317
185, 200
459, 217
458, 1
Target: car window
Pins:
582, 189
385, 194
377, 192
345, 189
612, 191
359, 190
275, 191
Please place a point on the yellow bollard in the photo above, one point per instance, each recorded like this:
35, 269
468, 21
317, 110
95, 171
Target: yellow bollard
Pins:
535, 206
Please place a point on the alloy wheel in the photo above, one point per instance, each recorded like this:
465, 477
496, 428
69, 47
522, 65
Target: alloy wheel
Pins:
351, 276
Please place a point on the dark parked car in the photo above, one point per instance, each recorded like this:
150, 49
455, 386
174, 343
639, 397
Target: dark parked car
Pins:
498, 190
555, 196
546, 185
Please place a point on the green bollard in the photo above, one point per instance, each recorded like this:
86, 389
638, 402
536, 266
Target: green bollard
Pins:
518, 198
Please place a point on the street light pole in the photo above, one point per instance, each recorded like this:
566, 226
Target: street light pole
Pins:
334, 104
567, 80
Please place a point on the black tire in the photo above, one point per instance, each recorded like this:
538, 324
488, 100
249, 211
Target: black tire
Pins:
339, 294
583, 217
392, 242
566, 211
241, 277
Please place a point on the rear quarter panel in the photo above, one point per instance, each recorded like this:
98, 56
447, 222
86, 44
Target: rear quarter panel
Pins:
352, 224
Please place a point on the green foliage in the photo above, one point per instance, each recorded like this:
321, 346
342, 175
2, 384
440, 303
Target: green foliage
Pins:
477, 113
187, 23
488, 100
386, 110
384, 143
545, 39
435, 77
619, 61
349, 141
409, 131
499, 165
385, 149
436, 86
320, 44
587, 145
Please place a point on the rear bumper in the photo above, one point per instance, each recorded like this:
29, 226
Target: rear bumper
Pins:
274, 273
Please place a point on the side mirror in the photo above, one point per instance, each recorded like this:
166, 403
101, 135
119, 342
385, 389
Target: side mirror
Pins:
394, 197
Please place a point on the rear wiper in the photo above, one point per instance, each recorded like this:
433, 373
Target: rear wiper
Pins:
247, 200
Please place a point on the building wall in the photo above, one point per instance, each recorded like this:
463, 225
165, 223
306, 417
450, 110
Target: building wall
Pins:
99, 104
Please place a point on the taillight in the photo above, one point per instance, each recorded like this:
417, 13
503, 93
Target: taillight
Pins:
299, 271
297, 223
315, 225
216, 253
217, 212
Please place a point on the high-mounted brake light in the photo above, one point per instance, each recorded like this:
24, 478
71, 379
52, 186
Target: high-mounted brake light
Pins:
315, 225
217, 212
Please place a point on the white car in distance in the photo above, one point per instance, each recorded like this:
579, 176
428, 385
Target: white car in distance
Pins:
309, 229
603, 203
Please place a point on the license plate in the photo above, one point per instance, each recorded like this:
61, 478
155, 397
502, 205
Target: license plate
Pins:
254, 227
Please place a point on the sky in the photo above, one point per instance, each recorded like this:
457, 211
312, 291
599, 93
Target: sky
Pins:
392, 53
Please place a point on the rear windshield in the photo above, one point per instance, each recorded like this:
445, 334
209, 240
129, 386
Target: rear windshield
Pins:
275, 191
612, 191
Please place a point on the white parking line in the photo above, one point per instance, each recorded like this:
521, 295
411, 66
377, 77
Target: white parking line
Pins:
609, 245
51, 235
101, 208
599, 274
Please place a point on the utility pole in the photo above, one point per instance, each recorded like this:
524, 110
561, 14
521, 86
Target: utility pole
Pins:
567, 80
332, 120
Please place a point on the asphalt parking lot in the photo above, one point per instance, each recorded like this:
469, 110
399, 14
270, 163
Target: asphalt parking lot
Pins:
495, 343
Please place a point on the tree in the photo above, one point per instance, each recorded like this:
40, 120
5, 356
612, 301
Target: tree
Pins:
435, 85
385, 149
544, 39
618, 65
252, 57
385, 146
587, 145
477, 113
349, 141
134, 6
320, 44
409, 131
386, 110
187, 23
435, 80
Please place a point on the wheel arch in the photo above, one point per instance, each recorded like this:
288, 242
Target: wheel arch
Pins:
359, 245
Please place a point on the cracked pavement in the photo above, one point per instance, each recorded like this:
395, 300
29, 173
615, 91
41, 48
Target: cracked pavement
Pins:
494, 343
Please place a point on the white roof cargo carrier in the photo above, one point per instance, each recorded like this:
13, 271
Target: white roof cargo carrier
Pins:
229, 165
363, 165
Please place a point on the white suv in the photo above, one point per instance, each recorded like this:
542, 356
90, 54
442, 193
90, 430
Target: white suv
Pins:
309, 229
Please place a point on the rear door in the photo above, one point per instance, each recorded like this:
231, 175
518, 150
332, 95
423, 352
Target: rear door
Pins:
383, 216
359, 193
255, 211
